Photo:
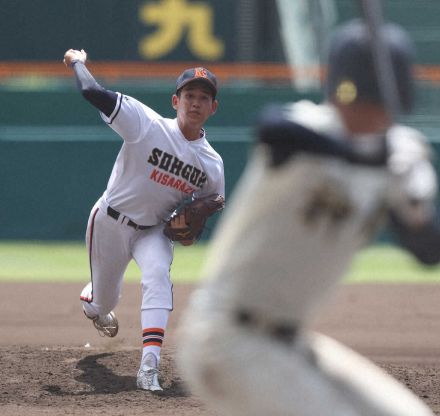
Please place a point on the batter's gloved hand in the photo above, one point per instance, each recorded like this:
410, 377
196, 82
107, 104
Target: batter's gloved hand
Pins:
188, 223
72, 56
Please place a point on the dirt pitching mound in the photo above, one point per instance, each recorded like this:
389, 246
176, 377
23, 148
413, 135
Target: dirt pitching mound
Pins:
53, 362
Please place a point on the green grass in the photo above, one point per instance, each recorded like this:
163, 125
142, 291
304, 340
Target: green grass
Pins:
68, 262
387, 264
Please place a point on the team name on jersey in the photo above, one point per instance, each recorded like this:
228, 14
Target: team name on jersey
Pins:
174, 166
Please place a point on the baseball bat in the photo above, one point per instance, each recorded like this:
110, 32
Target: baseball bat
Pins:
373, 16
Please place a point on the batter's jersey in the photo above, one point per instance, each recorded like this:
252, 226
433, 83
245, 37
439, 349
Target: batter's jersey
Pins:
157, 168
291, 231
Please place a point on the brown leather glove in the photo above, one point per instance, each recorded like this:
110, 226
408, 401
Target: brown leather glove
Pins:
195, 215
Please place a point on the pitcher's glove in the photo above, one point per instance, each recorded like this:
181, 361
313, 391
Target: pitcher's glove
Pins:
187, 224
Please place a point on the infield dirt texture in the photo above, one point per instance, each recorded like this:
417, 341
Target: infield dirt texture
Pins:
53, 362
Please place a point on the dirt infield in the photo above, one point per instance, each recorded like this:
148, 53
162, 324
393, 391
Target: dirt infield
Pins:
52, 362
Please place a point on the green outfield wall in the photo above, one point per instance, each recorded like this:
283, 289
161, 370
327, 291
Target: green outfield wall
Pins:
49, 186
56, 154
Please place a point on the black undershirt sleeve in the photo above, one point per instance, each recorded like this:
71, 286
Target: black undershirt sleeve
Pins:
104, 100
422, 242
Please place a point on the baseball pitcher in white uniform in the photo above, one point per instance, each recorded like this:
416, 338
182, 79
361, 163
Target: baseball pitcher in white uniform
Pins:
164, 167
320, 182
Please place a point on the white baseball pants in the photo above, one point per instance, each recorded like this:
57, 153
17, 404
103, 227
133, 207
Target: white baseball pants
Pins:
112, 244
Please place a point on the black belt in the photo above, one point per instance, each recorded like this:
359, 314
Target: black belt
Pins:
279, 331
115, 215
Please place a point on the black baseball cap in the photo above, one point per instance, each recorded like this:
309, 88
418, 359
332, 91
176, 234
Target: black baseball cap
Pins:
351, 74
197, 74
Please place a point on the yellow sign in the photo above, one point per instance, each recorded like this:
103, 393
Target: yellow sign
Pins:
174, 20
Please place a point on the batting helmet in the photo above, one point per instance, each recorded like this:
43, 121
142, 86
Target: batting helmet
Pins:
351, 74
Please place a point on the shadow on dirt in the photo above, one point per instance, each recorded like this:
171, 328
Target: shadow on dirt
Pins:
100, 379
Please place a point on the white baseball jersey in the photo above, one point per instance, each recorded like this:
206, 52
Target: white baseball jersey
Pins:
291, 231
157, 167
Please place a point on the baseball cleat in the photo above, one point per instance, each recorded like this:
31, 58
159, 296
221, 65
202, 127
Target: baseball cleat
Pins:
107, 325
148, 374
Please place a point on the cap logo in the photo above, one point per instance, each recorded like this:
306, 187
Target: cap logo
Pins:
200, 73
346, 92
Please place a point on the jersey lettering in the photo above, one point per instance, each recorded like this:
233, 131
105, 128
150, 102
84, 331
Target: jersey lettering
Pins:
186, 171
154, 175
154, 157
328, 202
201, 180
195, 175
173, 165
168, 180
176, 167
164, 179
331, 203
165, 162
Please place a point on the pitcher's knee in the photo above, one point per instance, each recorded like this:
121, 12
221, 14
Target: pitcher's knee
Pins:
157, 294
96, 303
157, 299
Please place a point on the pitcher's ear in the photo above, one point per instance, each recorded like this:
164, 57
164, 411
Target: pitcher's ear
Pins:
214, 106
